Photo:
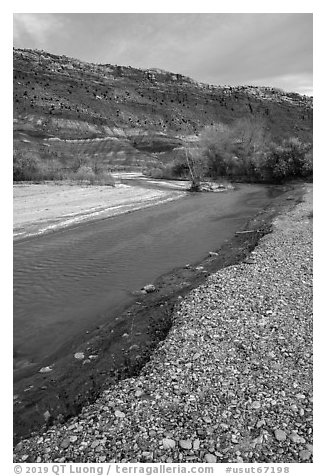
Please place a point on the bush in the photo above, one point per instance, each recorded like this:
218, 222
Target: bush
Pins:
162, 172
155, 172
245, 150
78, 162
105, 178
292, 159
26, 166
307, 165
93, 172
224, 148
179, 168
85, 173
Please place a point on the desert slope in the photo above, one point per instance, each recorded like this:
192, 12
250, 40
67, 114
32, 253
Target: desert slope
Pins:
129, 117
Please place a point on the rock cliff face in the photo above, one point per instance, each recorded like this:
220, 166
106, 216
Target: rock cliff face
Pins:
128, 116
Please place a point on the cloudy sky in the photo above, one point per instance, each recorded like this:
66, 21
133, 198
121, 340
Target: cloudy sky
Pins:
263, 49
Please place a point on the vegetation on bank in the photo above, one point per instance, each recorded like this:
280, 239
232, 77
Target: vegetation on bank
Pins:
28, 166
242, 151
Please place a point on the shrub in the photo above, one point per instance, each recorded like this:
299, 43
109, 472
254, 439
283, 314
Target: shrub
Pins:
175, 169
289, 160
105, 179
273, 166
52, 169
222, 150
307, 165
98, 168
78, 162
26, 166
155, 172
85, 173
179, 168
245, 149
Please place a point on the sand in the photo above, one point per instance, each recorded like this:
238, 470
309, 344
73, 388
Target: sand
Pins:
46, 207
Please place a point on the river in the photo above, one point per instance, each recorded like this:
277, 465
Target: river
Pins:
69, 282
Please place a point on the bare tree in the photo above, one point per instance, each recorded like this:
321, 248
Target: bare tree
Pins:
197, 165
250, 133
232, 150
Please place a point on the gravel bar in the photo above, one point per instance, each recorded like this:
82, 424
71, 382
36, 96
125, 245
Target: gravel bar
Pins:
232, 382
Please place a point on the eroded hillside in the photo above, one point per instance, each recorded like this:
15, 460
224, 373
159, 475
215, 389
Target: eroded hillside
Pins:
124, 116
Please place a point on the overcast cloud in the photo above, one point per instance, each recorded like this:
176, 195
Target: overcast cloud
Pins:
264, 49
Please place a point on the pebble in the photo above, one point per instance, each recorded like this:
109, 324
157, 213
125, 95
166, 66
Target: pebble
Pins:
209, 458
207, 419
19, 446
260, 423
280, 435
296, 438
196, 444
255, 405
79, 355
45, 370
65, 443
300, 396
149, 288
168, 443
304, 455
185, 444
259, 440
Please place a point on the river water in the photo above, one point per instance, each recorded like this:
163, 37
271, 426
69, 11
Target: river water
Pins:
69, 282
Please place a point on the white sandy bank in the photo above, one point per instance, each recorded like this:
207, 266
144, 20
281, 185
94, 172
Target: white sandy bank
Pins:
41, 208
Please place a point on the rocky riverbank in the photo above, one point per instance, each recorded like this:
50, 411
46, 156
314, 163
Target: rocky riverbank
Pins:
232, 382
